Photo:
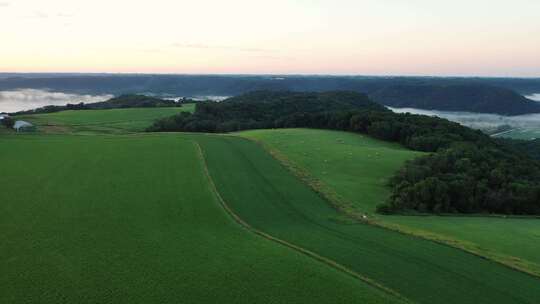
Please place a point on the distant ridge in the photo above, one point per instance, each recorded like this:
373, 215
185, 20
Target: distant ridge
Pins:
495, 91
467, 98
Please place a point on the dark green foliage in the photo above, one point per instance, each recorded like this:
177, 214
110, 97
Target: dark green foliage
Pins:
529, 147
470, 173
468, 178
347, 111
122, 101
132, 101
264, 109
462, 97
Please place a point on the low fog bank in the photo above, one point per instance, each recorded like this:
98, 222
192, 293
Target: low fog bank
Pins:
535, 97
195, 98
486, 122
27, 99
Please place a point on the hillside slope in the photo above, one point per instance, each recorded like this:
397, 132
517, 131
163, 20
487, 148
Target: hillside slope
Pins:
354, 171
466, 98
133, 219
270, 199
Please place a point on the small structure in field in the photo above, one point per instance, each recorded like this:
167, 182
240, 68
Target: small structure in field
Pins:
23, 126
3, 115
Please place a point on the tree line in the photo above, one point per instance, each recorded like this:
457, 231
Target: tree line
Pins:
122, 101
465, 170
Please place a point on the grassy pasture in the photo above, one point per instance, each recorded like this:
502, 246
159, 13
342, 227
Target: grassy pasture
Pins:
132, 219
265, 195
341, 162
102, 121
356, 166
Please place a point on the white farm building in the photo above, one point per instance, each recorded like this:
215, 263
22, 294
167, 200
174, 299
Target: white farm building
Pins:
21, 126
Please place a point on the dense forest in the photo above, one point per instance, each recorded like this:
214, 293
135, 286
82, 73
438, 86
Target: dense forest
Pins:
466, 171
122, 101
261, 110
529, 147
463, 97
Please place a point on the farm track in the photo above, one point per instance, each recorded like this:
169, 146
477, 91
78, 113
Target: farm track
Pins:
133, 219
269, 199
300, 249
326, 193
508, 240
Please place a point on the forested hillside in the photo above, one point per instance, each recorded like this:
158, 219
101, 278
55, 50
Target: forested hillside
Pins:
466, 97
262, 109
122, 101
467, 171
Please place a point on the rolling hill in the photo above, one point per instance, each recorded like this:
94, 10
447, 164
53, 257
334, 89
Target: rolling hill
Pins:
465, 98
162, 217
353, 171
133, 219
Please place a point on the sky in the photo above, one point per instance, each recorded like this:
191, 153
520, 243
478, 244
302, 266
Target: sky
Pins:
350, 37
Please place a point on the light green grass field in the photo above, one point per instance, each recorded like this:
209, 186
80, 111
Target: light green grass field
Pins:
356, 167
102, 121
265, 195
132, 219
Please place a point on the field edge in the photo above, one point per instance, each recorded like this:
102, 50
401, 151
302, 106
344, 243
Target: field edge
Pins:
346, 208
308, 253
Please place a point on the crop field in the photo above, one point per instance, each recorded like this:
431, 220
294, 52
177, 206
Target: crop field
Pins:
356, 167
136, 219
102, 121
518, 237
266, 196
132, 219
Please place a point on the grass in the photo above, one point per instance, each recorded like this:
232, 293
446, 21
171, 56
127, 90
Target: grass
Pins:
341, 166
102, 121
267, 197
357, 167
133, 219
150, 218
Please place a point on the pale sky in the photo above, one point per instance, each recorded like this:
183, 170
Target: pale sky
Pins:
366, 37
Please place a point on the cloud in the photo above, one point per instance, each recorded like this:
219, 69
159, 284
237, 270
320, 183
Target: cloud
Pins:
64, 15
26, 99
271, 57
38, 15
150, 51
220, 47
44, 15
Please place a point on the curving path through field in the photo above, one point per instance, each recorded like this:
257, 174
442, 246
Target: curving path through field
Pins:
133, 219
271, 200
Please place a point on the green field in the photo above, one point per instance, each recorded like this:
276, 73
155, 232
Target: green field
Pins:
132, 219
102, 121
356, 168
267, 197
136, 218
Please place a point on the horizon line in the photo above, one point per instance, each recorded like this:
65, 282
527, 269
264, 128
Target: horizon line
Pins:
274, 74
